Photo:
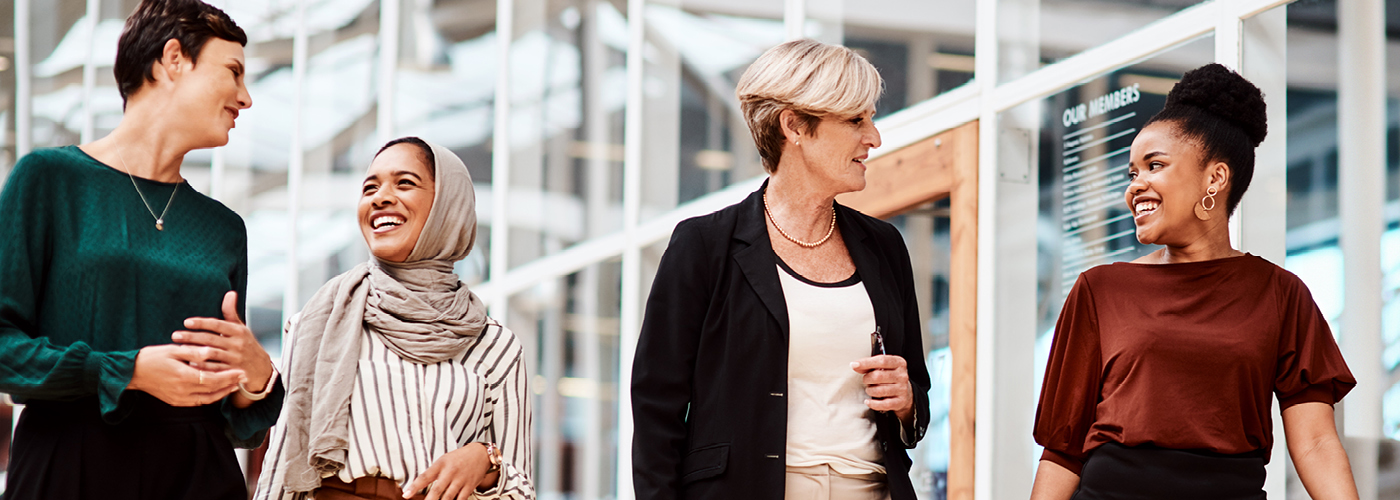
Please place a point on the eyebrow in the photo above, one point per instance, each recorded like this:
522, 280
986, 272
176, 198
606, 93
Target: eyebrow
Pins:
1153, 154
396, 173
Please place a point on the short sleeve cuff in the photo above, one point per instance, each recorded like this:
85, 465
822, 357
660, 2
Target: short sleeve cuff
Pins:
1329, 392
1065, 460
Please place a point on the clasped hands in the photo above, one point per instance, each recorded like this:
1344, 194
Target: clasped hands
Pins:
886, 380
206, 362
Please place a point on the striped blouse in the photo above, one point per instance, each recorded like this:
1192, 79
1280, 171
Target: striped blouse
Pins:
405, 415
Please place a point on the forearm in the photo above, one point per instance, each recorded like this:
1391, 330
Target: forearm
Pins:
1053, 482
1324, 469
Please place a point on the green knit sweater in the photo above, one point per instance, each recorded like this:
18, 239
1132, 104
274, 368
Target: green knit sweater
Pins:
86, 280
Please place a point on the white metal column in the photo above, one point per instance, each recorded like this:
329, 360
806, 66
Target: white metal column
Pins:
500, 155
630, 317
23, 73
985, 51
1361, 191
92, 19
794, 19
388, 66
291, 295
1261, 216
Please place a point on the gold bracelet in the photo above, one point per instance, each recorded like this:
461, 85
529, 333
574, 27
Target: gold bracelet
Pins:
267, 389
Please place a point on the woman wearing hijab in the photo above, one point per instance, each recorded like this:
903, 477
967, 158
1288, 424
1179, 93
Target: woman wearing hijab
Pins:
110, 258
399, 385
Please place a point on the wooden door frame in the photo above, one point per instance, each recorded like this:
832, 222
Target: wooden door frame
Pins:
942, 166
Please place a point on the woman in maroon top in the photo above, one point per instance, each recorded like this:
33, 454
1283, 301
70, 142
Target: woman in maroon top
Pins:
1162, 369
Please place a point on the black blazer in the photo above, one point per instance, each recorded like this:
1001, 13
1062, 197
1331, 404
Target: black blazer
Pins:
710, 375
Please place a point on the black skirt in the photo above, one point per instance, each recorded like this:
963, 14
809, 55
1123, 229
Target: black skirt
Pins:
64, 451
1117, 472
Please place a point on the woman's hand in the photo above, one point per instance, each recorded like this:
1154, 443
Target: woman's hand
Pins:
458, 474
887, 383
165, 371
228, 344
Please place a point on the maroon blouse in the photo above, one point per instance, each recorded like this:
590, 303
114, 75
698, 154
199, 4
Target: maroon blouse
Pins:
1183, 356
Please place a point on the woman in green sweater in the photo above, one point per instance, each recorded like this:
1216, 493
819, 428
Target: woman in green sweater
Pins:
120, 287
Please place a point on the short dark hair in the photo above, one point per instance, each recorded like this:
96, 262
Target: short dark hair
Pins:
425, 152
1224, 113
155, 22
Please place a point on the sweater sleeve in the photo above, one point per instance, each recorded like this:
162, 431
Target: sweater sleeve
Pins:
1070, 393
31, 366
1310, 366
247, 427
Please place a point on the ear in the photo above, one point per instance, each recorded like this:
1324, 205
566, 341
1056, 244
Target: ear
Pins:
788, 121
173, 61
1218, 175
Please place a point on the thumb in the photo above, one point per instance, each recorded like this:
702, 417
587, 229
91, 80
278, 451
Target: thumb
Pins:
231, 307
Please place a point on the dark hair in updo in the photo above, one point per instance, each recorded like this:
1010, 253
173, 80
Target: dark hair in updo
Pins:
1224, 113
425, 152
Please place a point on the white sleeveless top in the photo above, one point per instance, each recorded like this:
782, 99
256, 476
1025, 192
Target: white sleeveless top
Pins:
828, 422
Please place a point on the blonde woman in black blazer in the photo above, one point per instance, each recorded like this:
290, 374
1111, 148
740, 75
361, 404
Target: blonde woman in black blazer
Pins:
758, 373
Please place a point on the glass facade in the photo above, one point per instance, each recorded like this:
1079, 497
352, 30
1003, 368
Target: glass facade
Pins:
591, 126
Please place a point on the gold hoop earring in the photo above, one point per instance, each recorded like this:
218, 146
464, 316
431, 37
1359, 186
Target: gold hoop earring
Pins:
1202, 211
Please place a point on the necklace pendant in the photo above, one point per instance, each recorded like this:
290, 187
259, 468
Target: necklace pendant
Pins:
160, 224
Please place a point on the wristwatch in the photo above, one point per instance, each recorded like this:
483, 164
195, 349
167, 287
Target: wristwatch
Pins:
267, 389
494, 455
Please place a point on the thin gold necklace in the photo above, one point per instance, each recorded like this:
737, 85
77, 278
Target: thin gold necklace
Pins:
829, 230
160, 219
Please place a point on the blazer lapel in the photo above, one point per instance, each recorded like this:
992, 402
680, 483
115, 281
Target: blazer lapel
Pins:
757, 260
872, 271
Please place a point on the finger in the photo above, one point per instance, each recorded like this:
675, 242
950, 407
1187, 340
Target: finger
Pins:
453, 488
422, 481
883, 391
215, 325
887, 404
203, 338
211, 366
434, 491
877, 377
224, 379
231, 307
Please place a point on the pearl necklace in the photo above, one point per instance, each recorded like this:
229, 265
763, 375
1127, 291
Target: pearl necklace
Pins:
160, 219
829, 230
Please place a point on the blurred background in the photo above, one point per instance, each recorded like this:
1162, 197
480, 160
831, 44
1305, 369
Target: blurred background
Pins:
591, 126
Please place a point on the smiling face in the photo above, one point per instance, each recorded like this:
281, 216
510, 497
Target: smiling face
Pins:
1168, 180
208, 95
835, 150
395, 200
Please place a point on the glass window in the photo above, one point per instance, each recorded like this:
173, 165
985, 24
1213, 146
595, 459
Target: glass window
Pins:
922, 48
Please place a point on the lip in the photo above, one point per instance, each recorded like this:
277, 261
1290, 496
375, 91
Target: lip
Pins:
232, 111
369, 222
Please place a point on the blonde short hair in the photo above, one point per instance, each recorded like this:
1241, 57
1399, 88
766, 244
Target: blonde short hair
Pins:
812, 79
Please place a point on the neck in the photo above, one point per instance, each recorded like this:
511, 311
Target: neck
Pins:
802, 209
143, 146
1214, 244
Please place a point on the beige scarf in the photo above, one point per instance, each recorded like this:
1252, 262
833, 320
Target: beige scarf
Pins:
418, 308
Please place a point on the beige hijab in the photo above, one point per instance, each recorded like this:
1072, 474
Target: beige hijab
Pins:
418, 308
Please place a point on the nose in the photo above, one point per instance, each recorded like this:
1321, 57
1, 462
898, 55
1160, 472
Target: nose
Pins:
382, 198
1136, 186
245, 100
872, 139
